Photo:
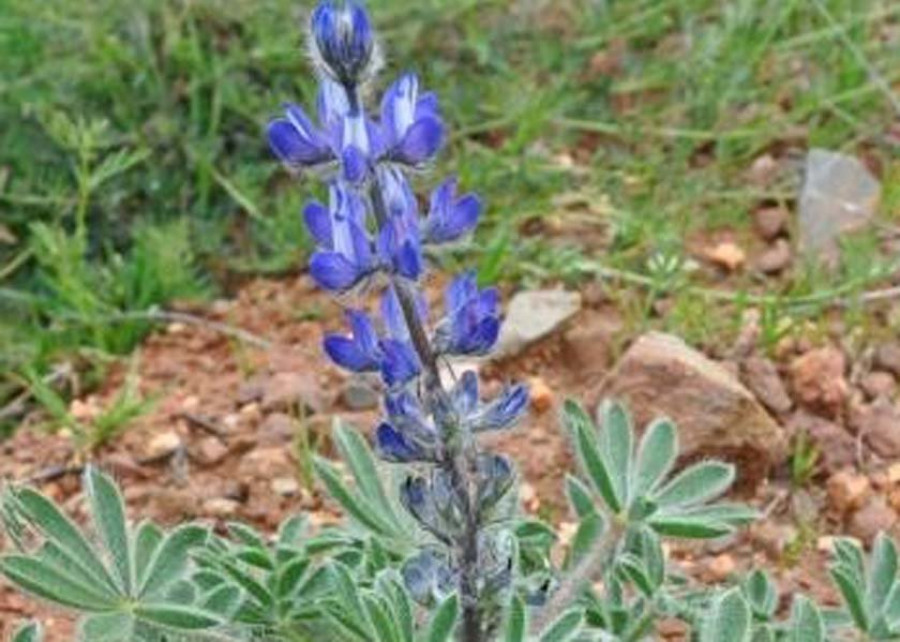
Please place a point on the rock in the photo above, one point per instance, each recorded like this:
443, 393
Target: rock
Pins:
771, 222
163, 444
532, 315
761, 376
776, 258
879, 424
721, 567
727, 255
817, 378
836, 446
763, 170
357, 394
211, 451
251, 391
541, 395
847, 491
286, 391
285, 486
220, 507
587, 346
873, 518
660, 375
887, 357
839, 195
878, 384
277, 428
773, 538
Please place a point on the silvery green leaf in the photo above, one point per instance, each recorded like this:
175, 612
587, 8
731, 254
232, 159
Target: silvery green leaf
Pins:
590, 455
383, 625
516, 621
563, 628
223, 600
656, 455
289, 576
57, 527
107, 627
882, 572
852, 594
355, 505
763, 633
891, 608
50, 583
728, 619
444, 620
589, 531
637, 572
388, 584
246, 535
170, 560
147, 539
761, 594
850, 556
579, 497
28, 632
617, 437
695, 485
64, 561
689, 527
806, 624
171, 616
252, 586
358, 456
108, 512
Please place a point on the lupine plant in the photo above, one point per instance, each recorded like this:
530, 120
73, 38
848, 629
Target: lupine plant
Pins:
435, 546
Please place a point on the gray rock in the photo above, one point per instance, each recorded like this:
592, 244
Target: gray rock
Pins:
839, 195
660, 375
534, 314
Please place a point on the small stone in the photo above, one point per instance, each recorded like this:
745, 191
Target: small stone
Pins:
190, 403
873, 518
893, 473
879, 424
848, 490
529, 498
287, 391
776, 258
541, 395
211, 451
721, 567
839, 195
277, 428
728, 255
761, 376
231, 422
357, 394
285, 486
532, 315
763, 170
176, 328
771, 222
774, 538
818, 380
825, 544
220, 507
878, 384
163, 444
887, 357
251, 412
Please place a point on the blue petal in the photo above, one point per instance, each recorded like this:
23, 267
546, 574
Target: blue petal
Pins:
318, 222
363, 332
421, 141
355, 164
392, 314
332, 271
465, 394
348, 354
290, 147
393, 446
332, 103
409, 260
400, 363
460, 290
505, 410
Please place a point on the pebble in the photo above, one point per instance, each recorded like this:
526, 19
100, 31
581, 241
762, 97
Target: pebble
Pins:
541, 395
878, 384
771, 222
818, 379
887, 357
873, 518
761, 376
162, 444
220, 507
728, 255
776, 258
285, 486
848, 490
721, 567
211, 451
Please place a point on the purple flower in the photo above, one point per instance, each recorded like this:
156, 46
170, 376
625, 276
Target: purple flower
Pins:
472, 325
407, 434
411, 127
360, 352
296, 141
399, 242
501, 412
450, 218
343, 38
345, 256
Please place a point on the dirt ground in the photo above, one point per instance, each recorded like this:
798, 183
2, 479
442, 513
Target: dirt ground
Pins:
222, 439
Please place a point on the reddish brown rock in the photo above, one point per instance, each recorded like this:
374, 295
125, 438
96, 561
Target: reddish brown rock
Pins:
848, 491
817, 378
771, 222
875, 517
776, 258
761, 376
836, 446
878, 384
879, 425
660, 375
887, 357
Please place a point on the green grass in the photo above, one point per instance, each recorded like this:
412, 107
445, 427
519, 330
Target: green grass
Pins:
133, 168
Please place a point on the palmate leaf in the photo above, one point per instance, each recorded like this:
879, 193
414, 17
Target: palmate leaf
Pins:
761, 594
563, 628
806, 624
656, 455
853, 596
728, 619
617, 439
28, 632
590, 454
171, 616
356, 505
516, 621
169, 560
444, 620
108, 512
695, 485
882, 572
108, 627
48, 582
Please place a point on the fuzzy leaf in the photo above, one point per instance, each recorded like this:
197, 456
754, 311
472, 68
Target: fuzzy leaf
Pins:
728, 619
176, 617
761, 594
50, 583
563, 628
108, 627
108, 511
689, 527
357, 507
222, 601
170, 560
696, 485
28, 632
882, 572
579, 497
807, 624
589, 530
852, 595
618, 446
147, 539
516, 621
656, 456
590, 455
385, 627
444, 620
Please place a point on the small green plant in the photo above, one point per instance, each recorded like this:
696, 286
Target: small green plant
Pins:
804, 460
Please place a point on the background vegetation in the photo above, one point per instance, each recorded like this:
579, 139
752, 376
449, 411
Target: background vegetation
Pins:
134, 173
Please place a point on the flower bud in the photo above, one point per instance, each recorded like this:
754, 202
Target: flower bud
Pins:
343, 41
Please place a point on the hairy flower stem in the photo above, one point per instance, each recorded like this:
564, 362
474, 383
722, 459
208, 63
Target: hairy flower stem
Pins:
457, 463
